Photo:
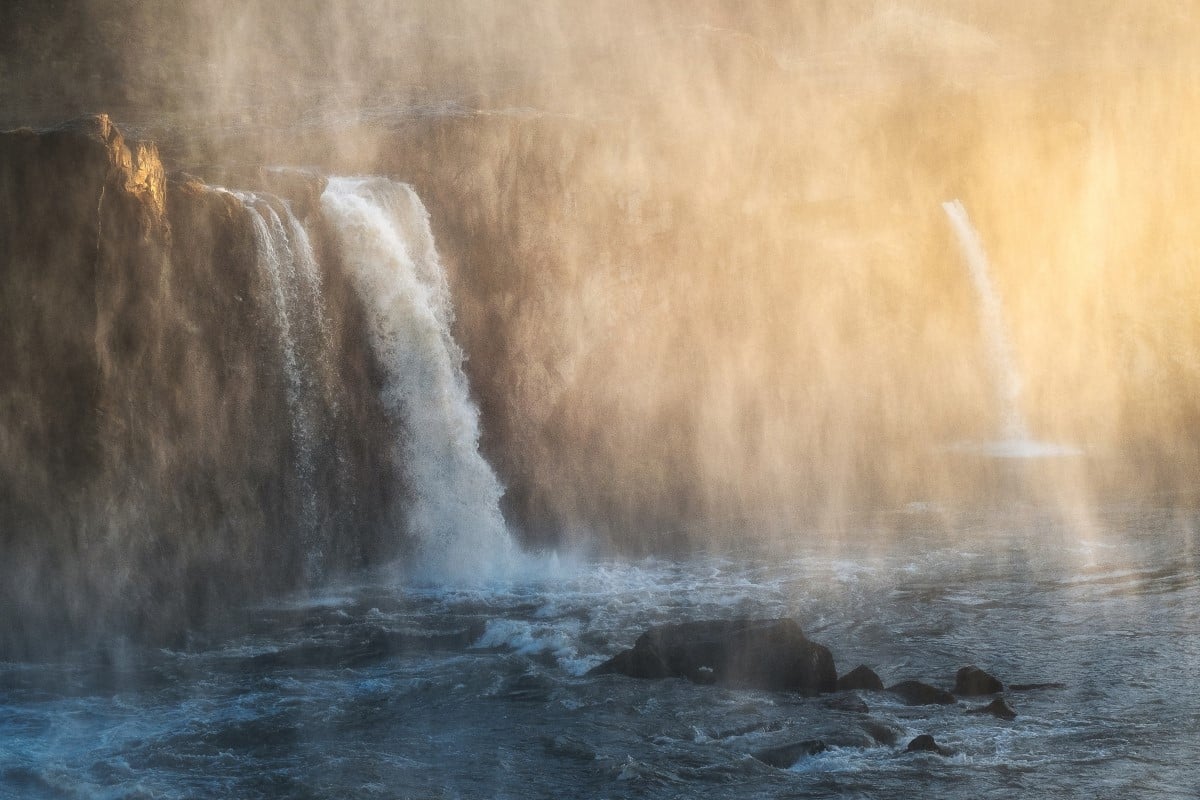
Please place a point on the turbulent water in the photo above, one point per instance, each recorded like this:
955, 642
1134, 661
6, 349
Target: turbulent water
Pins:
385, 690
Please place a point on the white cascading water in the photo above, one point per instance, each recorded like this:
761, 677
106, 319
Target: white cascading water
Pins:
383, 232
1015, 441
286, 257
1008, 380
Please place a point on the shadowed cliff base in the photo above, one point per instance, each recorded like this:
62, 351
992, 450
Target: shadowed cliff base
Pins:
148, 477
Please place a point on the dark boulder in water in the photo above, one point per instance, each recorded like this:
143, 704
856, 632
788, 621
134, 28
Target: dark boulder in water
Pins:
972, 681
787, 755
998, 708
861, 677
916, 693
927, 744
757, 654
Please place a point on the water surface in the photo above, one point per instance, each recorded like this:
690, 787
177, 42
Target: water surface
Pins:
389, 689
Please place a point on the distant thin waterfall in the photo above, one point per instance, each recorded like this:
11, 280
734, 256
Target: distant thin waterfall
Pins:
1004, 369
454, 515
286, 257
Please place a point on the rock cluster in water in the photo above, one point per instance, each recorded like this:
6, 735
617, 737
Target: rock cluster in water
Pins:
774, 654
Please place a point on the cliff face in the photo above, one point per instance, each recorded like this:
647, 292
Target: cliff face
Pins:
151, 473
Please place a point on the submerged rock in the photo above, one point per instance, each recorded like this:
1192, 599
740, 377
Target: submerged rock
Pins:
568, 747
787, 755
927, 744
745, 653
857, 739
861, 677
972, 681
359, 647
915, 693
998, 708
882, 732
848, 702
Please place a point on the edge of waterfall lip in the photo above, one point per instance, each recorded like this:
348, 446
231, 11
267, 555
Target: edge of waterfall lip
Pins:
1021, 449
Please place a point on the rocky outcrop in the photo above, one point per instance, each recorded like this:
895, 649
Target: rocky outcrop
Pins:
148, 476
760, 654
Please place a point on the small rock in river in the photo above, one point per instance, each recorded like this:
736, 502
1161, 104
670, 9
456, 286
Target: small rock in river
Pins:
861, 677
882, 732
848, 702
915, 693
998, 708
972, 681
926, 744
786, 755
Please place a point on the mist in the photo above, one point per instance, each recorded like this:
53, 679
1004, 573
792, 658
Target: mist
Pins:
491, 398
699, 262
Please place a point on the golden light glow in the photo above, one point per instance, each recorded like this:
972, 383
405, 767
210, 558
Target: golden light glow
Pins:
701, 263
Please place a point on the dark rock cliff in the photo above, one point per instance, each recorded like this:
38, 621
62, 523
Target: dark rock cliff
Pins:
147, 455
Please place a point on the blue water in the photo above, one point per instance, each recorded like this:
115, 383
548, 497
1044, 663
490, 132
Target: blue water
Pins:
386, 689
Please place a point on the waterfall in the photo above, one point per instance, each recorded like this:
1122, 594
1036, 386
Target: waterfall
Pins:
1004, 370
286, 257
1015, 440
453, 516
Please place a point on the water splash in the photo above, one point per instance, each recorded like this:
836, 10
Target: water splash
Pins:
1015, 440
454, 516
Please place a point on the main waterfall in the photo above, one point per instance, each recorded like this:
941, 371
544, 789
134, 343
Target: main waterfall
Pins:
453, 516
